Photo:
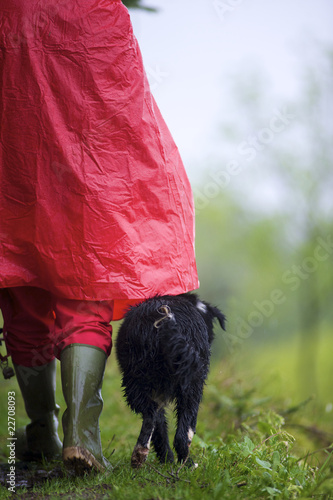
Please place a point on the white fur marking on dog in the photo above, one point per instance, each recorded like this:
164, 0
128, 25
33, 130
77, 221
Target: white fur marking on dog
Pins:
190, 434
149, 440
201, 306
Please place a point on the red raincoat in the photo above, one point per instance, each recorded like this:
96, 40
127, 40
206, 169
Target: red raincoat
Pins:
94, 199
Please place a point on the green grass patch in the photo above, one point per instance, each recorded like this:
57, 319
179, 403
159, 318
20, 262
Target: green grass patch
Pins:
258, 437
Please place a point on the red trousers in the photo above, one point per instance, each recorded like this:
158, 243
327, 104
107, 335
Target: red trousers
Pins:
38, 325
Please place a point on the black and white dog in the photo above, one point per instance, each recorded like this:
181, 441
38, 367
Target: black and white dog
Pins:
163, 350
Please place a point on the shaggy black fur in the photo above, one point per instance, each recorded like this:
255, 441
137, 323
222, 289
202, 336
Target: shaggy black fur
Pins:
163, 350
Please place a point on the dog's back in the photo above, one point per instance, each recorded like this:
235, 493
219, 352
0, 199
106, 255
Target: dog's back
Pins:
163, 342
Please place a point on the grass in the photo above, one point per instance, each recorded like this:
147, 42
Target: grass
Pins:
258, 437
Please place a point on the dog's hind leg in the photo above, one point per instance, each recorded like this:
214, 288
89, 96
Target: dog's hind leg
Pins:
141, 449
187, 412
160, 438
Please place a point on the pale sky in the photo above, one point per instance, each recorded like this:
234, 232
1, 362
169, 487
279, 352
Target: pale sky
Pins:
192, 47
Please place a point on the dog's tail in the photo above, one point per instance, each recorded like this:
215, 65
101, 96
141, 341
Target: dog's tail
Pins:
209, 314
216, 313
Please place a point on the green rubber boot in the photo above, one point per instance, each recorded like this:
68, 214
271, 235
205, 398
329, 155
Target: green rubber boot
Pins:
82, 371
38, 440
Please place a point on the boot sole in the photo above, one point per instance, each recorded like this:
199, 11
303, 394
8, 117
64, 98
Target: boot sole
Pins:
81, 461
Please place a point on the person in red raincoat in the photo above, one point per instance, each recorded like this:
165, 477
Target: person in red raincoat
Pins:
96, 210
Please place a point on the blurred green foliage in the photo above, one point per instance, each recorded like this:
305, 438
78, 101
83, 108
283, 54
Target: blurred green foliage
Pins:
253, 441
137, 4
264, 226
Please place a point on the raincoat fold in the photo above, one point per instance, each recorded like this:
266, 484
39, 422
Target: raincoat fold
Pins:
95, 203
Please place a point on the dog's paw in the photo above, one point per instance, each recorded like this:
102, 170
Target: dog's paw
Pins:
139, 456
188, 463
166, 458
